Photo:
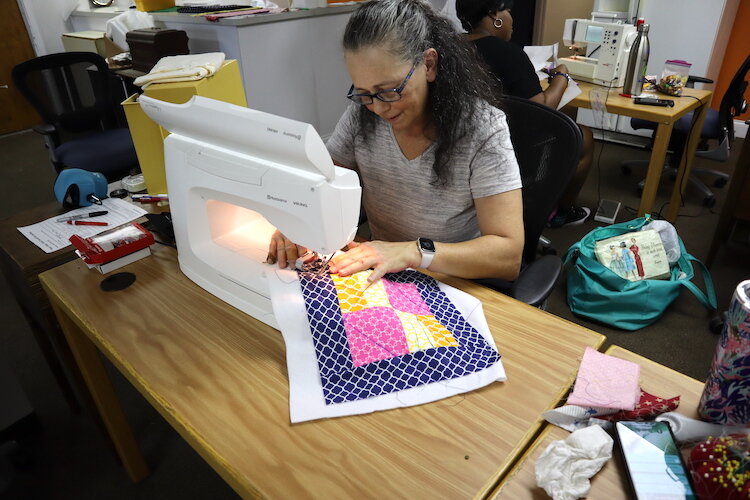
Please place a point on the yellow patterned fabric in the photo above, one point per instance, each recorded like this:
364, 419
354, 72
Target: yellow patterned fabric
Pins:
381, 304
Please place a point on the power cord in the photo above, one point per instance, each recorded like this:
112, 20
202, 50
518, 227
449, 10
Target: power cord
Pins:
602, 109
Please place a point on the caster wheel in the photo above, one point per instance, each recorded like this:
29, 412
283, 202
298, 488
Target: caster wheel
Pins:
720, 182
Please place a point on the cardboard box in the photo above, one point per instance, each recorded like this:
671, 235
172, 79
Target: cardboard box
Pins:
148, 137
90, 41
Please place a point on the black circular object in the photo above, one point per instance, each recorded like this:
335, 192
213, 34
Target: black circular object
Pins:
116, 282
118, 193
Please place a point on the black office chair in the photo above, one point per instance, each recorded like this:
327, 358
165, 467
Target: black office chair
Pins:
71, 92
548, 147
718, 126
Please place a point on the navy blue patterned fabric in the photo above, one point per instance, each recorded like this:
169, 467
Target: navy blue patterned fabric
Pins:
342, 381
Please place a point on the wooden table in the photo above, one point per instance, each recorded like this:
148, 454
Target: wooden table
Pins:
609, 483
219, 377
692, 100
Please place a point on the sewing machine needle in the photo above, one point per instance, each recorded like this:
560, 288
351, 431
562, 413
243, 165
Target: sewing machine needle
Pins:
324, 267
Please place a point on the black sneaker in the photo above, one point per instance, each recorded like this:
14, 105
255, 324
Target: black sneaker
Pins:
570, 217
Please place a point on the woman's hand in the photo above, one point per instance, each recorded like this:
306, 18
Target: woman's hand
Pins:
561, 68
284, 251
383, 257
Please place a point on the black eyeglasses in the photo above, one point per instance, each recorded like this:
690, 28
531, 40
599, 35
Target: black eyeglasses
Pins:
387, 95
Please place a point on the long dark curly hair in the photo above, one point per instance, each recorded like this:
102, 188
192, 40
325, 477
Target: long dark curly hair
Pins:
406, 28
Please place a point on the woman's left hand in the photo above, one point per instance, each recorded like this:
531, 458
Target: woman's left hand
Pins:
382, 256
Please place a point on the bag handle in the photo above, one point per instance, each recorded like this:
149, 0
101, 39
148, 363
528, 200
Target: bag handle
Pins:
709, 298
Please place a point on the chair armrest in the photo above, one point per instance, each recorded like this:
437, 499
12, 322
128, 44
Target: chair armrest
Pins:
51, 138
45, 129
692, 80
537, 280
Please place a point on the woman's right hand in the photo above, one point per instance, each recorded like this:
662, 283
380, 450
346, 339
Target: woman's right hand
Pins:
284, 251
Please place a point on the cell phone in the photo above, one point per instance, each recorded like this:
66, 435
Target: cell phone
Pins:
653, 461
652, 101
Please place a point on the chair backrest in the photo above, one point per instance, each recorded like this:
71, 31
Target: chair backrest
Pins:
548, 147
70, 90
733, 103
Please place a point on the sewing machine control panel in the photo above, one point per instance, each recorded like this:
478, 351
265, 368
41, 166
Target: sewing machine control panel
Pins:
609, 41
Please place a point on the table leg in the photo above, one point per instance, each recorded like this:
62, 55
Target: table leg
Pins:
95, 375
655, 167
686, 163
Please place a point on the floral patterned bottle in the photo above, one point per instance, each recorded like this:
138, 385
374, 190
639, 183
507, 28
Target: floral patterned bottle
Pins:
726, 397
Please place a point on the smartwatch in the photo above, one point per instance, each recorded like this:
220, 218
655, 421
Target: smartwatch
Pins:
558, 73
427, 248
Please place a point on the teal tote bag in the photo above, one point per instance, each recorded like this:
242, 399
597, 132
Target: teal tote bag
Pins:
596, 292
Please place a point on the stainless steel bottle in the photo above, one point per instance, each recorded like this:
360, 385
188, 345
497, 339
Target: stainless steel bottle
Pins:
635, 73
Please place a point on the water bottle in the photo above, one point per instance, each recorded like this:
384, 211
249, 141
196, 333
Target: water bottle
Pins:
726, 396
635, 74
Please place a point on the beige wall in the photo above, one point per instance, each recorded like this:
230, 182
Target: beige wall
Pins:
550, 18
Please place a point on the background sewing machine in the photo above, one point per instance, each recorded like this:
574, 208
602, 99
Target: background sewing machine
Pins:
234, 176
604, 50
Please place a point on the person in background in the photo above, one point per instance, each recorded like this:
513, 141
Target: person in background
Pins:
489, 25
434, 156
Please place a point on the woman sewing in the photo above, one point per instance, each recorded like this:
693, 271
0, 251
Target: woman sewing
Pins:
489, 25
440, 182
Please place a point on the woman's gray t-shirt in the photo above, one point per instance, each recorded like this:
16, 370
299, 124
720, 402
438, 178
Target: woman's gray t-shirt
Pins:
398, 194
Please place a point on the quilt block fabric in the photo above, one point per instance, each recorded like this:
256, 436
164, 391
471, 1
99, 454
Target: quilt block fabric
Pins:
398, 333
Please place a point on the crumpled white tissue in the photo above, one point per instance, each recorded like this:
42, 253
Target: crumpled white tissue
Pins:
564, 468
182, 68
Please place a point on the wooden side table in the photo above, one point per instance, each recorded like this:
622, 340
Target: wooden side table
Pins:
610, 482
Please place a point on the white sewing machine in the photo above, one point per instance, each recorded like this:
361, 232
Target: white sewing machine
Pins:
605, 47
234, 176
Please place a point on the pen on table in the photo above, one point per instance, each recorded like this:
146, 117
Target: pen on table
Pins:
87, 223
83, 216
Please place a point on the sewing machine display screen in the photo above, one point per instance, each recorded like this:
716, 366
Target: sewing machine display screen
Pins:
594, 34
653, 461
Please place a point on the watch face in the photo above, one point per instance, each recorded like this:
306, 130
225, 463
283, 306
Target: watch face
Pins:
426, 245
